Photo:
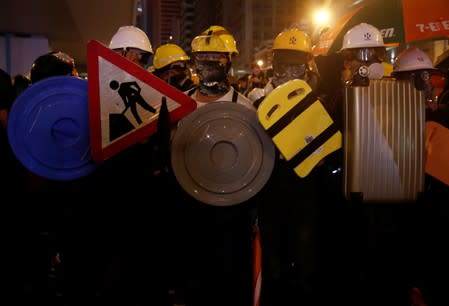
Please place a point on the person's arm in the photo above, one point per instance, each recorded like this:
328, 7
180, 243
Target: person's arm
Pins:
136, 86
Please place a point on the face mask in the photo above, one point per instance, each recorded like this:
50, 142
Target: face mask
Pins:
211, 72
363, 74
213, 77
176, 80
422, 82
421, 79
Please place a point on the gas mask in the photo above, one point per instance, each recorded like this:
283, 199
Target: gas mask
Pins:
363, 64
176, 80
212, 69
421, 81
176, 74
211, 72
362, 74
284, 72
287, 70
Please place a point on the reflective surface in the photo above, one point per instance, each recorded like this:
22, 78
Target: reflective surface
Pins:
220, 154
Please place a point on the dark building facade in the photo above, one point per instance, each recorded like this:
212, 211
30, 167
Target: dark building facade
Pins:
254, 24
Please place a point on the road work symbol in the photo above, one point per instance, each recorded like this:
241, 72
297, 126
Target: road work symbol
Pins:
130, 94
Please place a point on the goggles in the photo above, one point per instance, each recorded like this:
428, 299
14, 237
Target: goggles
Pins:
296, 71
209, 65
411, 75
368, 55
144, 56
178, 65
212, 57
128, 49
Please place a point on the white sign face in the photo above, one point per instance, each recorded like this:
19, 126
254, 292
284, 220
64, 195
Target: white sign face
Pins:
121, 94
125, 100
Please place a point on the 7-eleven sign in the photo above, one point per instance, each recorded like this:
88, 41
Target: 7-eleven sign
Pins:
124, 101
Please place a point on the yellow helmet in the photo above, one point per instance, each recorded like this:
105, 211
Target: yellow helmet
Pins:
167, 54
227, 38
209, 43
293, 39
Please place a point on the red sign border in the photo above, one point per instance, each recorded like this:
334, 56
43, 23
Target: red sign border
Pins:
95, 49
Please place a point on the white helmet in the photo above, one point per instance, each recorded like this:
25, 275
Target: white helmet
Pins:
130, 37
363, 35
412, 59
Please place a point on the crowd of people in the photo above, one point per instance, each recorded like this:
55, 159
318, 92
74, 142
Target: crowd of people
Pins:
153, 243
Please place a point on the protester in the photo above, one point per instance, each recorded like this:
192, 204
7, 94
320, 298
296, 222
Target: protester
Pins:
364, 51
293, 231
135, 247
13, 174
20, 83
6, 98
171, 63
217, 239
213, 51
256, 79
132, 43
52, 64
415, 65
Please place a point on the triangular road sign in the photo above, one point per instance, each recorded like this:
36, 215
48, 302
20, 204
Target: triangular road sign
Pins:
124, 101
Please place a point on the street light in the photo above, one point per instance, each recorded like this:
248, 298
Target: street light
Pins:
321, 20
260, 63
322, 17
